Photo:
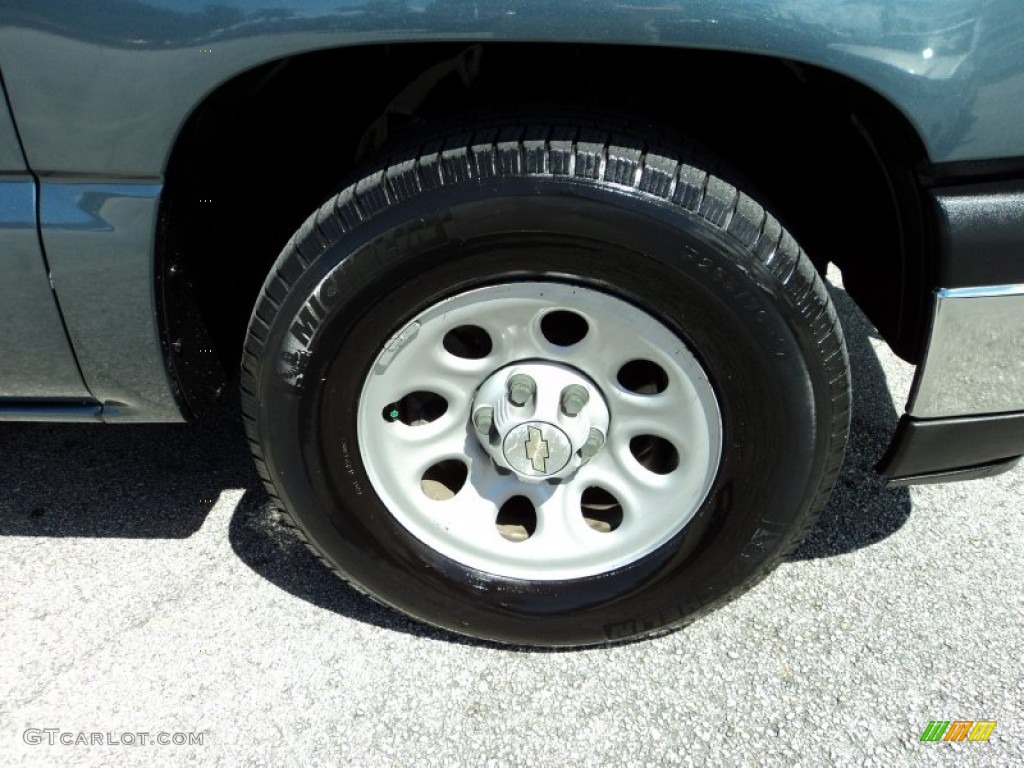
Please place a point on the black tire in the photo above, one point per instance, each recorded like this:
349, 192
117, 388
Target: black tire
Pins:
565, 205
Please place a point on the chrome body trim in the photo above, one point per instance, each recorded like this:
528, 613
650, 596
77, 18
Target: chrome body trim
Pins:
981, 291
21, 409
975, 359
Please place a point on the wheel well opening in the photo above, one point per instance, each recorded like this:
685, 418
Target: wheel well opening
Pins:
834, 160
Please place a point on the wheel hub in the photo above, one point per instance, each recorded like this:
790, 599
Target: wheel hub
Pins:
540, 420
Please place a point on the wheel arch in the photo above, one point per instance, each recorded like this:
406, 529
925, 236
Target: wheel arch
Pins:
257, 155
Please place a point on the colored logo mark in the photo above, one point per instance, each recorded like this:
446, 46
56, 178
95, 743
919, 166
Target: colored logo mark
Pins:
958, 730
537, 449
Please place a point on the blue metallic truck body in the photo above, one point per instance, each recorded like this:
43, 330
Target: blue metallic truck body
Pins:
100, 91
103, 87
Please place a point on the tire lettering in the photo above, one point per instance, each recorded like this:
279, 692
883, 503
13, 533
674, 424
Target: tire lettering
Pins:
304, 325
419, 235
327, 292
325, 296
291, 366
350, 470
643, 625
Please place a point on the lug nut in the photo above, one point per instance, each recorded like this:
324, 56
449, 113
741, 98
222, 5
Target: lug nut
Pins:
574, 397
594, 443
483, 419
521, 388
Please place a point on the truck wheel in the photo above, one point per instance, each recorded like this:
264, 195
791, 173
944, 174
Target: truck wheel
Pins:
541, 386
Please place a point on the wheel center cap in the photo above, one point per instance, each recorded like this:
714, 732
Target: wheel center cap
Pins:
539, 419
537, 448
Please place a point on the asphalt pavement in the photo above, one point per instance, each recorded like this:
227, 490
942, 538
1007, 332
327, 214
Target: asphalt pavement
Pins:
150, 593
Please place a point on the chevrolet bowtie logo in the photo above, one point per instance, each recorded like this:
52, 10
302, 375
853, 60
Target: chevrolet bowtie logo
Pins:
537, 449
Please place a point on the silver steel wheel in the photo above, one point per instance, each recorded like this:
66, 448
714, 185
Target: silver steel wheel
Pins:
539, 430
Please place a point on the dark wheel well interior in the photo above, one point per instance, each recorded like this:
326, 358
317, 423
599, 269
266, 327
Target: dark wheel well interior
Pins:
835, 161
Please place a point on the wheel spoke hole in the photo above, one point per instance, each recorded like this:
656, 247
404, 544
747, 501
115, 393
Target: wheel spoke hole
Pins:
601, 510
643, 377
563, 328
416, 409
468, 341
655, 454
444, 479
517, 519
